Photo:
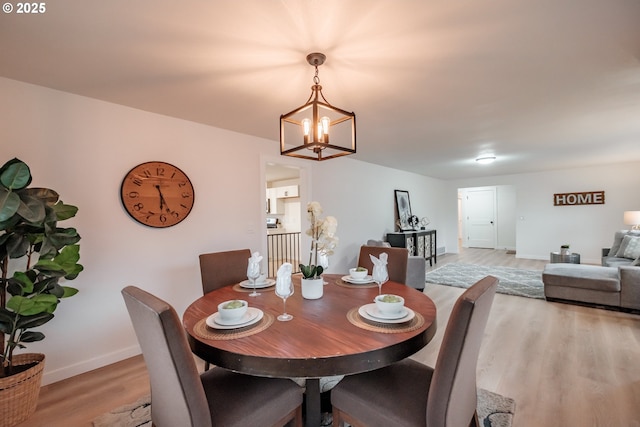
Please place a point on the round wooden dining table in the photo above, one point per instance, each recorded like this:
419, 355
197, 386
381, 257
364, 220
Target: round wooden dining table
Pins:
326, 337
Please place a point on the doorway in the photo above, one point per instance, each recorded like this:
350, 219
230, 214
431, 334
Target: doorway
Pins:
283, 209
479, 217
477, 207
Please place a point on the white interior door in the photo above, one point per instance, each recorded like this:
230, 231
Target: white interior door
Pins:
480, 213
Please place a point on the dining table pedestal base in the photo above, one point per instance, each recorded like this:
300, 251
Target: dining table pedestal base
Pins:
312, 402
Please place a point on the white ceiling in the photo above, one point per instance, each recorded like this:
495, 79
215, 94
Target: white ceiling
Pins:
543, 84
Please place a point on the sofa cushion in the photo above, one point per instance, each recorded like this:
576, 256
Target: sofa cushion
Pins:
582, 276
612, 261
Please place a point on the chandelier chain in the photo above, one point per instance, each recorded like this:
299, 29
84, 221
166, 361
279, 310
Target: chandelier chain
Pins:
316, 79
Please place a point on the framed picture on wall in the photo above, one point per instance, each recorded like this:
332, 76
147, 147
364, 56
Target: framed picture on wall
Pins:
403, 210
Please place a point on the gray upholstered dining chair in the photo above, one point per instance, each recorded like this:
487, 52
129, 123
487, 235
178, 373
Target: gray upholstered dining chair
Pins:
219, 269
416, 267
182, 397
408, 393
396, 261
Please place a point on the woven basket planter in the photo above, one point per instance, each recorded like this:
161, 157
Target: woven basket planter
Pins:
19, 393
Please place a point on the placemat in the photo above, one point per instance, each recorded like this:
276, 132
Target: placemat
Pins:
203, 331
344, 284
386, 328
239, 288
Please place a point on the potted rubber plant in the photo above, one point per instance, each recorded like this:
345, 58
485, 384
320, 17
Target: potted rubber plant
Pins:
35, 255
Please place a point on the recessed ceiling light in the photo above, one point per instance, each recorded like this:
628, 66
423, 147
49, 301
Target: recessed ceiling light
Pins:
485, 160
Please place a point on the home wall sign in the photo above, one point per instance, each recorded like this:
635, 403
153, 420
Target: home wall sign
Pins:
575, 199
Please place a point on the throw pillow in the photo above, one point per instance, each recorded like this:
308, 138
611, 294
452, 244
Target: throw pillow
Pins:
636, 261
623, 247
617, 241
633, 248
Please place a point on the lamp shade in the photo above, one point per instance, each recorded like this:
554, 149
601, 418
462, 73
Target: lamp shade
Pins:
632, 218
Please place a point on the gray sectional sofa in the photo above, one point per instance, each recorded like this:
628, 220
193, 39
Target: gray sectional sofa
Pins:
616, 283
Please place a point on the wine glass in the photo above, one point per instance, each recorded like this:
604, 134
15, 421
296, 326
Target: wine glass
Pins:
253, 272
380, 275
284, 291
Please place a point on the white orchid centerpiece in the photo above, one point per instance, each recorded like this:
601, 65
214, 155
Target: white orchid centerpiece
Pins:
323, 241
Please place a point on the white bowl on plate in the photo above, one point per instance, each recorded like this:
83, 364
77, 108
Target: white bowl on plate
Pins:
389, 304
261, 279
232, 310
358, 274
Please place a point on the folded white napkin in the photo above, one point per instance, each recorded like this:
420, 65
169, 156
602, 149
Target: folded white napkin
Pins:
253, 267
256, 258
283, 278
380, 273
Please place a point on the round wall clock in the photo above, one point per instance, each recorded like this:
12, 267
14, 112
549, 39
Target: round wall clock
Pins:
157, 194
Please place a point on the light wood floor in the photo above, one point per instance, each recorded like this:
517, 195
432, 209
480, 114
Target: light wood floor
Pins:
565, 365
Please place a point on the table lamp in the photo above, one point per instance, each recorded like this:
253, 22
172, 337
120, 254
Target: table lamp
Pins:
632, 218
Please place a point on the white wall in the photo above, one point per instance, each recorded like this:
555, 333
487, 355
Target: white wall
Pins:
82, 148
361, 196
506, 216
542, 227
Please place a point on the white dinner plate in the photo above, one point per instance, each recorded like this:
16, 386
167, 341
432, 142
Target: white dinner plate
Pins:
374, 311
363, 311
259, 285
248, 316
349, 279
253, 315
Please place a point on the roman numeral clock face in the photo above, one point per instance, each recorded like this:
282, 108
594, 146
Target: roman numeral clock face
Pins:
157, 194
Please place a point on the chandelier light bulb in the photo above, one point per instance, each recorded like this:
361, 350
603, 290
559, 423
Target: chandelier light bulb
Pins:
306, 129
324, 123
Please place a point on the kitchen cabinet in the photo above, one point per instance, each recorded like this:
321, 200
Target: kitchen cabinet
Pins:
287, 191
275, 205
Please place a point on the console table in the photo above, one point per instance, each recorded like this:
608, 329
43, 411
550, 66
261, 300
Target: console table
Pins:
419, 243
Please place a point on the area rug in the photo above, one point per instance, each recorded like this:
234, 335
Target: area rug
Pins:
136, 414
494, 410
513, 281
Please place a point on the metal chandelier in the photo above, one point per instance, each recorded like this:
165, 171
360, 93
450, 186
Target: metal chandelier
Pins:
317, 130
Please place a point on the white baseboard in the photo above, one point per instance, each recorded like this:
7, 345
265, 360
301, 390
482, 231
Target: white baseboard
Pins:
528, 256
89, 365
591, 261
